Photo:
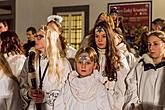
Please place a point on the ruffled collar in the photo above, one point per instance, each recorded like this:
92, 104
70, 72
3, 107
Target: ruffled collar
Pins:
84, 89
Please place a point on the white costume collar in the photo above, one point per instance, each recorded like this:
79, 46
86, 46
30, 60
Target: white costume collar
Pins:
84, 89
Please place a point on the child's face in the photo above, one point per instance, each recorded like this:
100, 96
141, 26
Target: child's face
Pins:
100, 39
156, 47
84, 65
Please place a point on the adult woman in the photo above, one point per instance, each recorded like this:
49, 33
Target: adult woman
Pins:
113, 65
146, 80
11, 62
51, 69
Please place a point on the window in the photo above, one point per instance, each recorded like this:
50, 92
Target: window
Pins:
7, 12
74, 23
73, 28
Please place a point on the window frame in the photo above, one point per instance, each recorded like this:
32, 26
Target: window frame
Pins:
82, 8
70, 29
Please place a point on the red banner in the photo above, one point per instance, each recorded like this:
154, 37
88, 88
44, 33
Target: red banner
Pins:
134, 14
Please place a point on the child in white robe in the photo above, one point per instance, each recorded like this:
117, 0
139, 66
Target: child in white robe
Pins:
83, 89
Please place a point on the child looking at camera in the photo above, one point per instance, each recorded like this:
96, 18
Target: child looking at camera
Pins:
83, 90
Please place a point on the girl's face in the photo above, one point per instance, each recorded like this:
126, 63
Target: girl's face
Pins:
84, 65
100, 39
156, 47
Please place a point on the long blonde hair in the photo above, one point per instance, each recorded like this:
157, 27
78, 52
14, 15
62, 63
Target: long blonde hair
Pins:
53, 51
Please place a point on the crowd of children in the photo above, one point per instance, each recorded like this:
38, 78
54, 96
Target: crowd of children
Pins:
104, 75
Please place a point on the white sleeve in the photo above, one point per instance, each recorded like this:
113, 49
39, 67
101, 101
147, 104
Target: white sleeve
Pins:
59, 103
131, 95
103, 101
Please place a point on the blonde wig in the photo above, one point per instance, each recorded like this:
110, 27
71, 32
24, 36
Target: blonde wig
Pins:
53, 51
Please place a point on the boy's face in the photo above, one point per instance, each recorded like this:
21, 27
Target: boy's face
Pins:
84, 65
30, 36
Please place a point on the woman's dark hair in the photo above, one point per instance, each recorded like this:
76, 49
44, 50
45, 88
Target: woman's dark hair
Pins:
143, 47
10, 43
112, 53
